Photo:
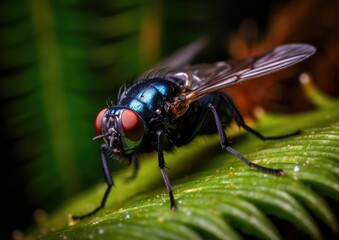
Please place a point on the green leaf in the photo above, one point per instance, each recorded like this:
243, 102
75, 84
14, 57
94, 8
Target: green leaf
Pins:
222, 198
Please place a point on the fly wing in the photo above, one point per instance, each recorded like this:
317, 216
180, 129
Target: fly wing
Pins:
203, 79
208, 78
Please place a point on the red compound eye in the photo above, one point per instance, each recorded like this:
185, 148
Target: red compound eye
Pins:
98, 120
132, 125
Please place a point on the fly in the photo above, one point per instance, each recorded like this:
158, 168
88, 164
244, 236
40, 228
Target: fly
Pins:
171, 105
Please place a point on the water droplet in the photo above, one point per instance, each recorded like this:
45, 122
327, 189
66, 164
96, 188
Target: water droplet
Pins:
127, 216
101, 231
296, 169
190, 190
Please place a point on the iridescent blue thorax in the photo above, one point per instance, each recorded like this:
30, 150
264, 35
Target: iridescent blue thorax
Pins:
146, 97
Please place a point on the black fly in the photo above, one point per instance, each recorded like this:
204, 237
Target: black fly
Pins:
170, 106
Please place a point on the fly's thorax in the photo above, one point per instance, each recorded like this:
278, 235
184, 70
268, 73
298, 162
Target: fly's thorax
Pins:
149, 98
121, 128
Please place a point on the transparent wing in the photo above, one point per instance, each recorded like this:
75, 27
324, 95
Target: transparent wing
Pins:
207, 78
204, 79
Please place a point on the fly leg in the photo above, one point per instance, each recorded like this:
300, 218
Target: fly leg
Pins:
109, 181
240, 121
135, 164
161, 162
225, 146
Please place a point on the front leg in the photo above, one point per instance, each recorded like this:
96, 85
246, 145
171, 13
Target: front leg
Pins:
161, 162
109, 181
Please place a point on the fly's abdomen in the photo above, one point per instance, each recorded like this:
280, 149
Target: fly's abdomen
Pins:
198, 120
217, 100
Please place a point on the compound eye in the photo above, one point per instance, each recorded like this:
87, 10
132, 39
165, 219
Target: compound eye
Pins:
98, 121
132, 125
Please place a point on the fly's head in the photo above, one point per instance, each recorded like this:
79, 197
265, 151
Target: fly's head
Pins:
121, 128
